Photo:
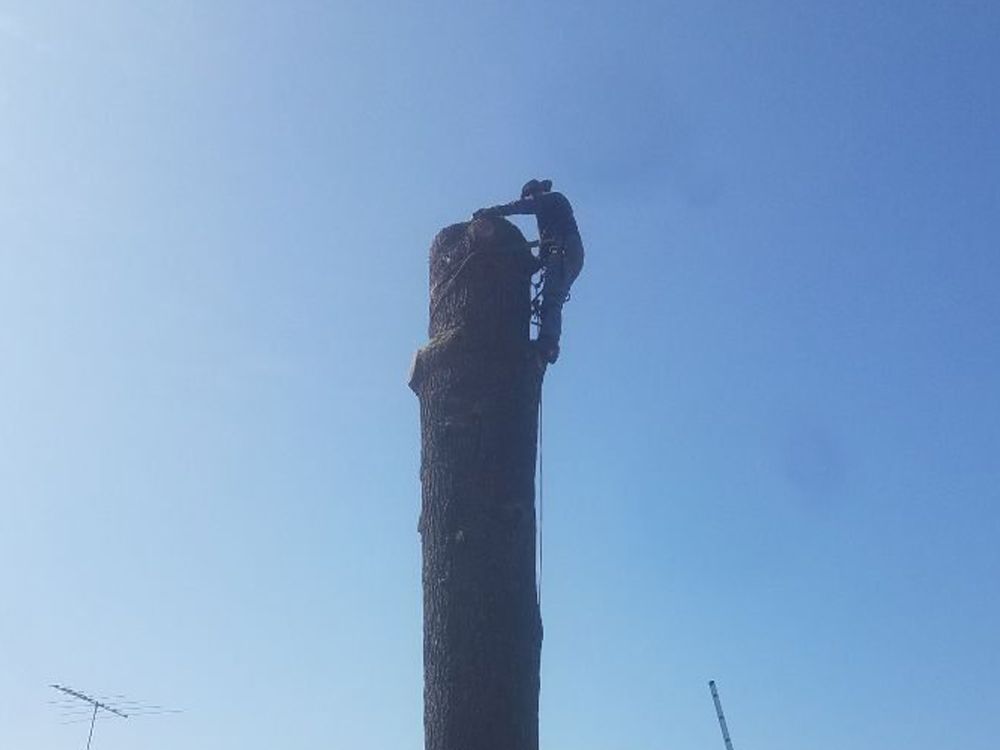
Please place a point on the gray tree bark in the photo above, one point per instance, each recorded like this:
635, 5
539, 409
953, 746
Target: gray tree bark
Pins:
479, 382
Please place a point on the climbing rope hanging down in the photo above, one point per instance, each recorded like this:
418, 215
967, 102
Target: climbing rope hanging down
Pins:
541, 501
537, 287
536, 299
537, 284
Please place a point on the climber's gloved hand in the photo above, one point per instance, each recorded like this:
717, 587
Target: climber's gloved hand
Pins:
483, 212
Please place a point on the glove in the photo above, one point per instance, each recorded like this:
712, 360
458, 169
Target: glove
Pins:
483, 212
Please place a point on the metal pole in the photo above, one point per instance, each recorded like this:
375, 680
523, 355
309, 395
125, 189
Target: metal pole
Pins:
722, 718
93, 719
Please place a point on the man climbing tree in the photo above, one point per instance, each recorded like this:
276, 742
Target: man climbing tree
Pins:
560, 253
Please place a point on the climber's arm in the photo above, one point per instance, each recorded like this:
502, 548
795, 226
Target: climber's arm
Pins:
523, 206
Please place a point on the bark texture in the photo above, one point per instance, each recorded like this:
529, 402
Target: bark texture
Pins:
478, 382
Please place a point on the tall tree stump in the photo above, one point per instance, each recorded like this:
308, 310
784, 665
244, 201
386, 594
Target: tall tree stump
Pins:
479, 381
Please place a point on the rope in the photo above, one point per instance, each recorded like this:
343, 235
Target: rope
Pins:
541, 501
536, 299
536, 320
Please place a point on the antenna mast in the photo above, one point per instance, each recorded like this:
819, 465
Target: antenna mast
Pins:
722, 718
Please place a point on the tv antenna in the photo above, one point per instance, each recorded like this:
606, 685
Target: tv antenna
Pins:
80, 706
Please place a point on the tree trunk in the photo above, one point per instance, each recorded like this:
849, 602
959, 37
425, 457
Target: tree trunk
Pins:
479, 382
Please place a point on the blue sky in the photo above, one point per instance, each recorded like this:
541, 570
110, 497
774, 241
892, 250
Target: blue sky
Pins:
771, 441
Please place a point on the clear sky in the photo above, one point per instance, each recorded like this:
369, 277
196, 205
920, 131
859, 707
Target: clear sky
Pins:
771, 442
